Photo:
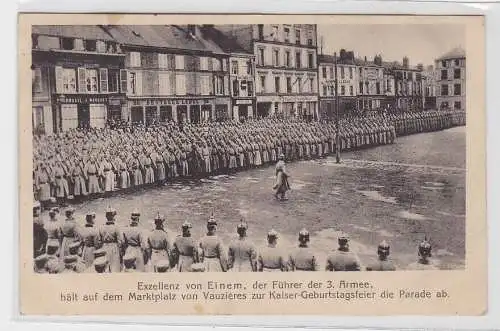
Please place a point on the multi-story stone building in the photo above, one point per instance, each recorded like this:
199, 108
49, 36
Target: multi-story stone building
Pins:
429, 82
78, 77
451, 83
408, 80
371, 95
347, 82
173, 73
286, 76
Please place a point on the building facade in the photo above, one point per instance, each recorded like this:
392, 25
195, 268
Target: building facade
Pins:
347, 75
409, 91
429, 83
78, 78
371, 95
172, 75
286, 72
451, 80
243, 102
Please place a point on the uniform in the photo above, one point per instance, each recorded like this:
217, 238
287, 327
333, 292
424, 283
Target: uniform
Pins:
159, 248
302, 259
90, 239
242, 256
134, 244
110, 239
212, 254
69, 232
271, 258
341, 260
381, 265
184, 253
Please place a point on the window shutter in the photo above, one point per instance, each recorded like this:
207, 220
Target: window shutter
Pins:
123, 80
138, 83
82, 83
59, 79
103, 76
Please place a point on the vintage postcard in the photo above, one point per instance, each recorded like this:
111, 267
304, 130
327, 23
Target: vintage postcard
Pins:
267, 164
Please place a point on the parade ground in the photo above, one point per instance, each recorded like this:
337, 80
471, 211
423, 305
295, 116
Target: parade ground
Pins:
399, 193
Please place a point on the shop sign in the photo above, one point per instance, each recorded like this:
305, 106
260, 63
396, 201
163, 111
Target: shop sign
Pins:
158, 102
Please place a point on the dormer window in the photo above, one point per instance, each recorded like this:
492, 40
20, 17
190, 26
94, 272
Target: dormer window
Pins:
68, 44
90, 45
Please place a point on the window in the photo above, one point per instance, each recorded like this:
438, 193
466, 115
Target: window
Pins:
298, 63
37, 81
123, 80
132, 82
444, 90
404, 75
342, 90
410, 75
311, 85
309, 37
276, 58
342, 73
287, 59
443, 64
249, 67
68, 44
367, 90
324, 72
289, 85
243, 88
457, 62
101, 46
135, 59
234, 67
236, 88
299, 85
457, 105
204, 63
90, 45
164, 80
377, 87
163, 61
216, 65
360, 72
113, 81
219, 85
275, 32
262, 84
444, 74
180, 83
351, 90
457, 89
225, 65
388, 87
205, 85
310, 62
287, 34
91, 80
360, 87
261, 57
324, 90
331, 73
103, 79
351, 72
261, 31
277, 84
456, 74
34, 41
179, 62
297, 36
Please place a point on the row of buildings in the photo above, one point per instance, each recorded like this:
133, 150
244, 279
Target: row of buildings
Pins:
87, 76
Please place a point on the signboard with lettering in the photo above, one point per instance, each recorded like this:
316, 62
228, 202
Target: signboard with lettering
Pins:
78, 99
158, 102
243, 102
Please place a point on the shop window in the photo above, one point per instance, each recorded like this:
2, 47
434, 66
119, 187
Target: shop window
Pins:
165, 113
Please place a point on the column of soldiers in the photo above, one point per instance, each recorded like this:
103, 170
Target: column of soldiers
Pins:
81, 164
68, 247
411, 123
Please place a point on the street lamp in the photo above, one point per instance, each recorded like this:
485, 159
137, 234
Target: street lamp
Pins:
337, 130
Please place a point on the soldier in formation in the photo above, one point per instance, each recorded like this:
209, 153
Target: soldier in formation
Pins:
79, 164
109, 248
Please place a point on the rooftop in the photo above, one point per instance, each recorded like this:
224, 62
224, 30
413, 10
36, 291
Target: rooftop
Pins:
93, 32
455, 53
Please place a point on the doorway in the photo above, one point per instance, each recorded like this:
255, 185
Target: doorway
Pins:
83, 116
136, 114
194, 113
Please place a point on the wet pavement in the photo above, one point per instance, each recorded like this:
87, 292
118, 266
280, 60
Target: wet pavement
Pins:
399, 193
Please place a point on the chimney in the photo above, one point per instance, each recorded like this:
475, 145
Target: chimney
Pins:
406, 62
366, 60
420, 67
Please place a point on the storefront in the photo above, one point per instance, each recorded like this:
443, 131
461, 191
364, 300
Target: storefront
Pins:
243, 109
84, 111
222, 107
153, 110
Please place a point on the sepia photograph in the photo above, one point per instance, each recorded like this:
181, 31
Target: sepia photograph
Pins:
325, 147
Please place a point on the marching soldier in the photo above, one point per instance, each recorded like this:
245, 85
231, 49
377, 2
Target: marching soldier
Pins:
90, 239
271, 258
158, 244
383, 263
303, 259
185, 250
424, 254
110, 239
242, 255
343, 259
134, 242
212, 253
